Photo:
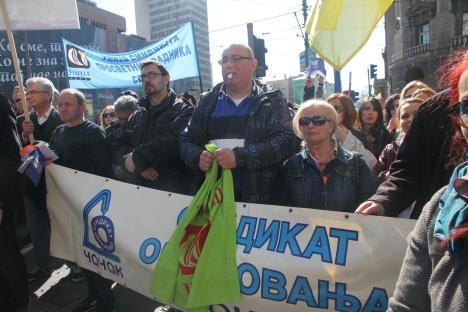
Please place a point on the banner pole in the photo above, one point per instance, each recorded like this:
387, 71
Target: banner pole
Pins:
196, 54
19, 78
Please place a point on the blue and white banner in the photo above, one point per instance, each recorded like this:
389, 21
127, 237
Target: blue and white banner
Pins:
289, 259
88, 69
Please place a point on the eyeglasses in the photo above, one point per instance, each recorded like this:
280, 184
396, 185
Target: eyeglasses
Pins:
35, 92
338, 109
105, 115
233, 58
317, 120
150, 75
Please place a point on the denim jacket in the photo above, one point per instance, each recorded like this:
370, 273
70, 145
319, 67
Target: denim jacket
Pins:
349, 182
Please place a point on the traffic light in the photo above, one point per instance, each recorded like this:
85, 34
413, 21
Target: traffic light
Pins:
373, 71
355, 96
259, 54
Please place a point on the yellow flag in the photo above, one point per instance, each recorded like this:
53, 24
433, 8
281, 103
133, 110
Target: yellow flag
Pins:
338, 29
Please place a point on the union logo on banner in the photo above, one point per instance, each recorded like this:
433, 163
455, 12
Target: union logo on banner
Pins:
76, 58
101, 227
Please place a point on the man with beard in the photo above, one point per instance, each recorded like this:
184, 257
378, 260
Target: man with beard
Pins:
153, 133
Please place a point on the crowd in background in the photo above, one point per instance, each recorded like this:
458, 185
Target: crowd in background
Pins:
383, 157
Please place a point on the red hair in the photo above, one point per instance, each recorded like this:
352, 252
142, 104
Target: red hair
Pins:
450, 72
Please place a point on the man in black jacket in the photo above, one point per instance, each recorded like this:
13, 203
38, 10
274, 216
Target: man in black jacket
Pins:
43, 121
250, 127
153, 133
13, 275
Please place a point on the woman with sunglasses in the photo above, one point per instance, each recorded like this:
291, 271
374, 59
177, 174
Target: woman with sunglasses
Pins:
107, 116
324, 175
371, 120
350, 138
390, 107
434, 275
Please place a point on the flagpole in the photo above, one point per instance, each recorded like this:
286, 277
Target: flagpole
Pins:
19, 78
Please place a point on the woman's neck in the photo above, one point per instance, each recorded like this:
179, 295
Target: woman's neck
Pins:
322, 152
367, 128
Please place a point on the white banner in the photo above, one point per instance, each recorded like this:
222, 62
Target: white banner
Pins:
42, 15
289, 259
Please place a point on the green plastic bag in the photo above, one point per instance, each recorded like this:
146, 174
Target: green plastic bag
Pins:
197, 267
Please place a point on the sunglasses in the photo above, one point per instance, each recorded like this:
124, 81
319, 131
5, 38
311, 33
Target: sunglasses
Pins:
105, 115
462, 108
317, 120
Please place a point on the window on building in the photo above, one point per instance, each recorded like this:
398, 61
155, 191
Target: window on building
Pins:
465, 23
423, 37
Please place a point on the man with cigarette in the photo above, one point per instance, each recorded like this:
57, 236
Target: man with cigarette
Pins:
250, 126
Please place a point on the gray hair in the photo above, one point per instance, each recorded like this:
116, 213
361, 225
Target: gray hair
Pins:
44, 83
125, 103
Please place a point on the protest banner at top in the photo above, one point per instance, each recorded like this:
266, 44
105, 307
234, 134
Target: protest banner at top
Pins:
88, 69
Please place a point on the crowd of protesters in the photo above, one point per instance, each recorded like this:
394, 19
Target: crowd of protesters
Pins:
377, 159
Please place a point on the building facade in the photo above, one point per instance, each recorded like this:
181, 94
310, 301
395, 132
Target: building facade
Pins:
156, 19
44, 56
94, 16
420, 34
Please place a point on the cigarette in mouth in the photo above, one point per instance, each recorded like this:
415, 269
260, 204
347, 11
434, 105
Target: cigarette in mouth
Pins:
229, 76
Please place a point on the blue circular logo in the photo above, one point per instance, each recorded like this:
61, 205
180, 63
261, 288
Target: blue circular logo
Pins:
103, 231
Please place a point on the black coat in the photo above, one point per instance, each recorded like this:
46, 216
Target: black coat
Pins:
421, 166
153, 134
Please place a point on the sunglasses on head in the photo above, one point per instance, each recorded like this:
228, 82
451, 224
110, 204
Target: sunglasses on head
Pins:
105, 115
317, 120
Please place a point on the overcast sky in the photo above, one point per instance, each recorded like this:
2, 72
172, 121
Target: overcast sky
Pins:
275, 22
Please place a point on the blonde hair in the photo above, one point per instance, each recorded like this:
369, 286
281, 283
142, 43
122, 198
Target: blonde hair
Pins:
329, 112
413, 84
405, 102
105, 109
424, 93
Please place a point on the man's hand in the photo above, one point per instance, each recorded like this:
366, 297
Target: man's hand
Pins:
370, 208
150, 174
226, 158
206, 159
129, 164
28, 128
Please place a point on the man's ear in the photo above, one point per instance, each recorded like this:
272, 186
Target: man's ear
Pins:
253, 65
